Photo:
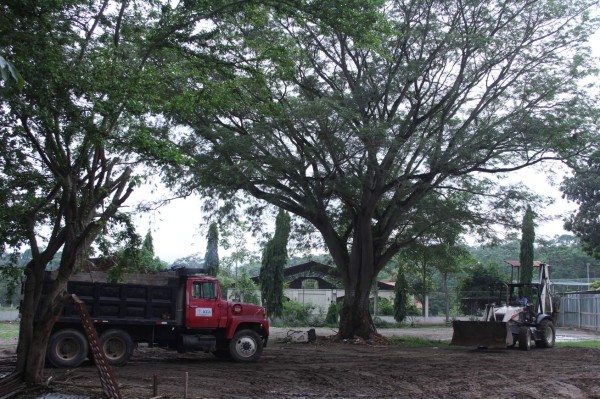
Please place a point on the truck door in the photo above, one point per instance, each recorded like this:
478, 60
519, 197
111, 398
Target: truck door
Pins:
203, 304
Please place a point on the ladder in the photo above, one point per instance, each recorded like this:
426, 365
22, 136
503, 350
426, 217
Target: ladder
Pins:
107, 379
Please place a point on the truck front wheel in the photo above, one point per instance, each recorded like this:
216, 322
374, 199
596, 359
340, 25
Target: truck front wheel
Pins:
67, 348
117, 345
246, 346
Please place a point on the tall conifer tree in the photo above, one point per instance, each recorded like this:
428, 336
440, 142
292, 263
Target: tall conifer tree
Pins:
526, 253
211, 259
273, 261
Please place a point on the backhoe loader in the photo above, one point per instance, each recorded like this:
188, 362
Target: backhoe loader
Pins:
508, 322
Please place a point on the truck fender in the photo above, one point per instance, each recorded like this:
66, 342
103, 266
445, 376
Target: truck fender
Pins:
237, 325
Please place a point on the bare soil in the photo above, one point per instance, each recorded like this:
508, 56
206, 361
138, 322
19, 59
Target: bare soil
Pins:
355, 369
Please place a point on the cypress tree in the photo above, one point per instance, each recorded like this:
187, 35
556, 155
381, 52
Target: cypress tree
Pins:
211, 259
526, 253
401, 296
273, 261
148, 244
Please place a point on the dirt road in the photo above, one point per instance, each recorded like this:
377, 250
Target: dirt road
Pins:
329, 369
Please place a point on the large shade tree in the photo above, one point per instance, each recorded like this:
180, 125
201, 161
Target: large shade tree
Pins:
68, 138
372, 136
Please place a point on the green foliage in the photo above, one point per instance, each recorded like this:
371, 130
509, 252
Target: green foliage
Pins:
401, 296
10, 285
136, 256
296, 314
478, 287
385, 307
563, 253
582, 188
273, 261
211, 259
526, 254
595, 285
10, 75
246, 290
333, 313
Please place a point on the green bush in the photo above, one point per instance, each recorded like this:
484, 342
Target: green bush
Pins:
385, 307
296, 314
333, 314
380, 323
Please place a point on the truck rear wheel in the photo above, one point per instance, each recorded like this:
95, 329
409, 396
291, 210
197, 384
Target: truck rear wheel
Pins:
67, 348
547, 334
246, 346
117, 345
524, 338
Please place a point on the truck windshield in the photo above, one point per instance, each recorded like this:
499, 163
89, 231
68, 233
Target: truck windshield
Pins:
204, 290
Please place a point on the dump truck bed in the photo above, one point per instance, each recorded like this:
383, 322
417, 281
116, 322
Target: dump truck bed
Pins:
481, 334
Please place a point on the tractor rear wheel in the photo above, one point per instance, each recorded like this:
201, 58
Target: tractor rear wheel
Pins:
547, 334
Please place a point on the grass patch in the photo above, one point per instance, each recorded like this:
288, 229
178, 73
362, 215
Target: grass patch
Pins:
578, 344
9, 330
418, 342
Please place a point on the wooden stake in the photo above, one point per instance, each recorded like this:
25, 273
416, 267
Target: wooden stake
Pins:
155, 386
185, 391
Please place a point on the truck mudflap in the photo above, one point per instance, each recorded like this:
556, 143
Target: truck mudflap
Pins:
481, 334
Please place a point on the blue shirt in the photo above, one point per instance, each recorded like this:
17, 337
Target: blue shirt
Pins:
522, 301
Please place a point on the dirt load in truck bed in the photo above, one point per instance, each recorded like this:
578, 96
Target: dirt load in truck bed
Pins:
350, 370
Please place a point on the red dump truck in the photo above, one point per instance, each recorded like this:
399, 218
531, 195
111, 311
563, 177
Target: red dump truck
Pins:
179, 310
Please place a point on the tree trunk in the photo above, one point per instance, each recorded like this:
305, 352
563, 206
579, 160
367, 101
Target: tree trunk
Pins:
355, 318
446, 298
35, 333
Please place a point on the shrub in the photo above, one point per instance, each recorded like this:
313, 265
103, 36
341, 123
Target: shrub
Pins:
386, 307
296, 314
333, 313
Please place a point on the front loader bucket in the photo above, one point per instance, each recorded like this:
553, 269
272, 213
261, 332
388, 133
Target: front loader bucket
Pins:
481, 334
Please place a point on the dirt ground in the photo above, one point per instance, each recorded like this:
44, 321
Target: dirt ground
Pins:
328, 369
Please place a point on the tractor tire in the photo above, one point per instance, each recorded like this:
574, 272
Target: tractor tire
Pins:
547, 334
117, 346
525, 338
246, 346
67, 348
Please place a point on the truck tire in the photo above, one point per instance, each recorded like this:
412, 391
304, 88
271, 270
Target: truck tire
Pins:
524, 338
547, 334
246, 346
67, 348
117, 345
